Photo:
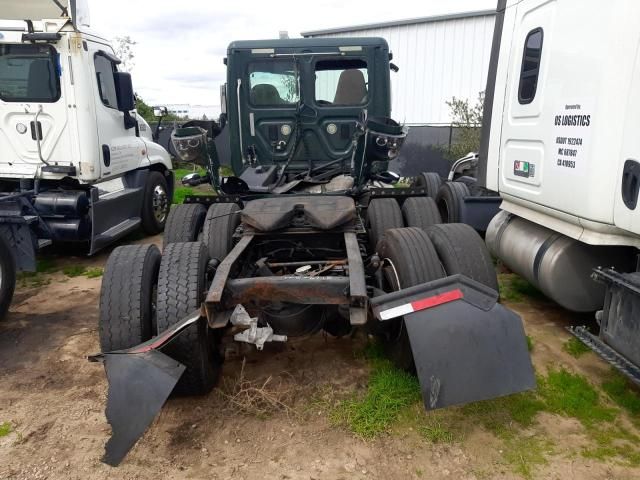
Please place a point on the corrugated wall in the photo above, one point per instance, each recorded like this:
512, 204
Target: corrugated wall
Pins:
437, 60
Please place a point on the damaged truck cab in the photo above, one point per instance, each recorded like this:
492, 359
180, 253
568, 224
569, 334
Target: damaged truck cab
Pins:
310, 234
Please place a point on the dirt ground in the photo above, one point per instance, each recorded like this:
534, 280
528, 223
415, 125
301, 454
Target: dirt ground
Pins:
53, 399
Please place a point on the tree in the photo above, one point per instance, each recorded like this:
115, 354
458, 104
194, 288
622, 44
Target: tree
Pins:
468, 121
123, 47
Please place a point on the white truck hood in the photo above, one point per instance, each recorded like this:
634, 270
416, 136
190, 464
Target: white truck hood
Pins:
75, 10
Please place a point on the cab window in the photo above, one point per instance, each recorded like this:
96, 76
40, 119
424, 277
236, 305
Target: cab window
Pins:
273, 83
29, 73
106, 84
531, 57
341, 82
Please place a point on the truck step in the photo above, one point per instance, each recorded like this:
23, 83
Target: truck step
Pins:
620, 363
43, 242
113, 215
115, 232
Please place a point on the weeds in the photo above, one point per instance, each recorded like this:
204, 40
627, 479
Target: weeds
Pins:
74, 270
524, 454
575, 347
94, 272
571, 395
529, 343
5, 429
260, 398
622, 393
516, 289
389, 391
180, 193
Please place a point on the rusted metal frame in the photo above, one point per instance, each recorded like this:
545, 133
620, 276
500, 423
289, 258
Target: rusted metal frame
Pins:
357, 283
214, 295
303, 263
289, 288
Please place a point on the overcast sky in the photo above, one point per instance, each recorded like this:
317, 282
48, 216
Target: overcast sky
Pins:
181, 44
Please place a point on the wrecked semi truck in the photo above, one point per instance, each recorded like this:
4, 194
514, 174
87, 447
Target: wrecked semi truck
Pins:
560, 145
301, 240
77, 164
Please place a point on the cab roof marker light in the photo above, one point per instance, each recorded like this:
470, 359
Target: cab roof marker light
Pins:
262, 50
353, 48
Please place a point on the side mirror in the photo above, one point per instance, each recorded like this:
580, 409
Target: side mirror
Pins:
160, 111
388, 177
223, 99
124, 91
194, 179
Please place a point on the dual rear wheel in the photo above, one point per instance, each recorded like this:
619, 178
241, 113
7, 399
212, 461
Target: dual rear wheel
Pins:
145, 292
422, 252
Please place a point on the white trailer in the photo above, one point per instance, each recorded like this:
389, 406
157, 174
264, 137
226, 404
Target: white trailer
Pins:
77, 164
561, 146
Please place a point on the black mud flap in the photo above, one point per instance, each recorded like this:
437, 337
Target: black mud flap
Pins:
466, 346
140, 381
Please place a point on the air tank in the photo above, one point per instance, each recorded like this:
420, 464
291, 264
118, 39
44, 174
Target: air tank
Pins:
557, 265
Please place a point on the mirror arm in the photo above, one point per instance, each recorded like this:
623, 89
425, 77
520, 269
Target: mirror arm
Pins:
130, 122
156, 134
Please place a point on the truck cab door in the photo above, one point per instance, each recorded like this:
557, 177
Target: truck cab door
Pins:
121, 148
627, 202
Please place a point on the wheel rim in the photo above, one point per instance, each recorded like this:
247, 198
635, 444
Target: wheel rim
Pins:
160, 203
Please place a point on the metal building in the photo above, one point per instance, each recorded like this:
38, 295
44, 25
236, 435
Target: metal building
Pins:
439, 57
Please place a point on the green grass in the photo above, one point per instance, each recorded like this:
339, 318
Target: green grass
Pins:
437, 430
94, 272
74, 270
392, 399
389, 391
525, 454
514, 288
571, 395
623, 394
575, 347
5, 429
38, 278
529, 343
46, 265
615, 443
180, 193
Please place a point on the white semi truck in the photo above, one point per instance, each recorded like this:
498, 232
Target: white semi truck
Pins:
77, 164
561, 146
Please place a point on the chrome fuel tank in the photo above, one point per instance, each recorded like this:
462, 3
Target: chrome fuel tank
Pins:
559, 266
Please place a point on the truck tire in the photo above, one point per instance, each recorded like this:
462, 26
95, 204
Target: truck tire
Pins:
430, 181
412, 260
420, 212
155, 204
126, 297
382, 214
219, 225
462, 250
450, 201
7, 277
184, 223
182, 286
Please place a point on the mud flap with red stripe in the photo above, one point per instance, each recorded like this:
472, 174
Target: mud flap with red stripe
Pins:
466, 346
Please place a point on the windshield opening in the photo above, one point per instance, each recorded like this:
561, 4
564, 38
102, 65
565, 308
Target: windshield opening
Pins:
29, 73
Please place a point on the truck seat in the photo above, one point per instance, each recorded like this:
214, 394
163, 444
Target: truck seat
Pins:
352, 89
265, 94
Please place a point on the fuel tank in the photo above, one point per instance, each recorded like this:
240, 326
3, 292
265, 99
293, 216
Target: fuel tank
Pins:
558, 266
